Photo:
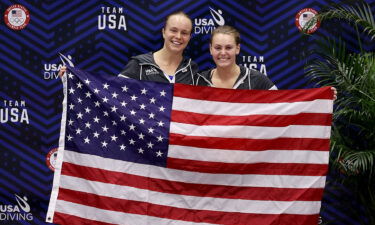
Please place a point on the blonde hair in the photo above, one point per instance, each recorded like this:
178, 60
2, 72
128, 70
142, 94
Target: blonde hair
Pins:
226, 29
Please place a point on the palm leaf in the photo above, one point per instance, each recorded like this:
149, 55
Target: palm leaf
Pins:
359, 14
353, 74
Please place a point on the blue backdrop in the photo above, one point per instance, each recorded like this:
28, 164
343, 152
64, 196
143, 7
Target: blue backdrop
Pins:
101, 36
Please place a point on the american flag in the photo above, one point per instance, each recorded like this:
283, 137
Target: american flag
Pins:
17, 13
136, 152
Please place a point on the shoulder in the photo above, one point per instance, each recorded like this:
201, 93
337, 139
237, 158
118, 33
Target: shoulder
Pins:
255, 74
133, 67
204, 78
260, 80
186, 61
144, 58
135, 61
194, 65
206, 73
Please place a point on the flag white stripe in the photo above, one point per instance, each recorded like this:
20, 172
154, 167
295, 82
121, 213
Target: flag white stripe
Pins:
114, 217
60, 155
242, 109
237, 156
278, 181
251, 132
191, 202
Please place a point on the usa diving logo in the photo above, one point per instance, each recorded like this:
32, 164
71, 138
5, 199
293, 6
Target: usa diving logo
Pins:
18, 212
207, 25
51, 70
151, 71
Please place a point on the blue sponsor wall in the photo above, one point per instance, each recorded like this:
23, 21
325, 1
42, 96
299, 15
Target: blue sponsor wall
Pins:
101, 36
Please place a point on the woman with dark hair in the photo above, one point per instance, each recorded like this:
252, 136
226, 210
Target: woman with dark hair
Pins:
168, 64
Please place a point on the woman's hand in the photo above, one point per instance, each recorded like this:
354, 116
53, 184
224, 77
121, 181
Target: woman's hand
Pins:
62, 71
334, 93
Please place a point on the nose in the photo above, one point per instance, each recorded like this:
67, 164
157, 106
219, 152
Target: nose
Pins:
178, 35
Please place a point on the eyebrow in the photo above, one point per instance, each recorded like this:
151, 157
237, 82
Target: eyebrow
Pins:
231, 45
178, 28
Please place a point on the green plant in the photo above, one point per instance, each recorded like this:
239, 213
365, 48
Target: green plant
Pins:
353, 74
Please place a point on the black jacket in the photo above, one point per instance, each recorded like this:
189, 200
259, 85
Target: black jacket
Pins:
143, 67
248, 79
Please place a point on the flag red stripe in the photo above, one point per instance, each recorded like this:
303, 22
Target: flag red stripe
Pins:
300, 169
247, 96
252, 120
161, 211
203, 190
316, 144
63, 218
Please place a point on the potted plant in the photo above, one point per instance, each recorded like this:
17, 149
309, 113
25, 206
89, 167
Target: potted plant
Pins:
352, 72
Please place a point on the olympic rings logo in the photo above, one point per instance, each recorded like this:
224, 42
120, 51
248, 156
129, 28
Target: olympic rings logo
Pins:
16, 21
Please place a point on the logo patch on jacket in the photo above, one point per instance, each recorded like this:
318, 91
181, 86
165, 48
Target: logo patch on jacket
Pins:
151, 71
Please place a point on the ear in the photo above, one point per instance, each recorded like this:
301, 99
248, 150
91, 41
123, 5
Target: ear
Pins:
163, 32
210, 49
238, 48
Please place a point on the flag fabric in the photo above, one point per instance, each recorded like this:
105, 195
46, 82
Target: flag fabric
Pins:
144, 153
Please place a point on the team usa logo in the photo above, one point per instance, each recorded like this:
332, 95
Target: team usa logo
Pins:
112, 18
14, 111
17, 17
255, 62
304, 16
